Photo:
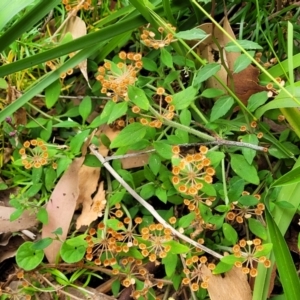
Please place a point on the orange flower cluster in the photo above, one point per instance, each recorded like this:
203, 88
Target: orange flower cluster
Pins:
194, 273
76, 4
155, 237
239, 212
34, 154
115, 78
193, 203
191, 171
148, 37
247, 251
167, 112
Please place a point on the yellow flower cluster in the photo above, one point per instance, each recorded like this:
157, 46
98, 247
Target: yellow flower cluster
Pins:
54, 64
76, 4
155, 236
167, 111
150, 40
191, 171
248, 252
34, 154
115, 78
194, 273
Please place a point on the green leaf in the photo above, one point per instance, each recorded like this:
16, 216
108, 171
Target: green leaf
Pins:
241, 167
177, 248
284, 262
186, 220
73, 250
163, 149
282, 100
9, 8
215, 157
42, 244
33, 190
257, 228
50, 177
52, 93
185, 117
166, 58
147, 191
265, 250
230, 259
85, 108
231, 47
170, 263
78, 140
206, 72
27, 258
212, 93
248, 200
131, 134
119, 110
248, 153
67, 124
284, 204
184, 98
154, 163
192, 34
149, 64
47, 132
256, 100
116, 197
3, 83
161, 194
222, 267
290, 177
42, 216
229, 233
138, 97
16, 214
221, 107
242, 62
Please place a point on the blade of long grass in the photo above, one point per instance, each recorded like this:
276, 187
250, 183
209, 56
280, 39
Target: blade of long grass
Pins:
285, 265
26, 22
83, 42
290, 54
9, 8
46, 81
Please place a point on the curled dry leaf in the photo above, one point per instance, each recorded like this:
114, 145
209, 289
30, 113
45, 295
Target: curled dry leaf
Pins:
61, 206
245, 83
233, 286
77, 27
27, 219
135, 161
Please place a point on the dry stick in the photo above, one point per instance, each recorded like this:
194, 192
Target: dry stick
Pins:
217, 142
149, 207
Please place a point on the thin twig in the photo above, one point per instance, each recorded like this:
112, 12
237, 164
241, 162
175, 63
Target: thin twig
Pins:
217, 142
149, 207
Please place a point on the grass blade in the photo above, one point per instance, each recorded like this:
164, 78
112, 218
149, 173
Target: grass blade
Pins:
285, 265
26, 22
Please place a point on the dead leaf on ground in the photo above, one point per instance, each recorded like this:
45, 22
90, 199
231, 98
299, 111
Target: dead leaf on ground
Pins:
135, 161
232, 287
245, 82
110, 133
77, 27
27, 220
92, 208
61, 206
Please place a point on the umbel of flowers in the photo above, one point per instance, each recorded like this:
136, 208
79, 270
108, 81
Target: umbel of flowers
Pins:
191, 171
115, 78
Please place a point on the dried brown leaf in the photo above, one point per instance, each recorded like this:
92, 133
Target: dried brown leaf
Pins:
135, 161
77, 27
61, 206
232, 287
27, 219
